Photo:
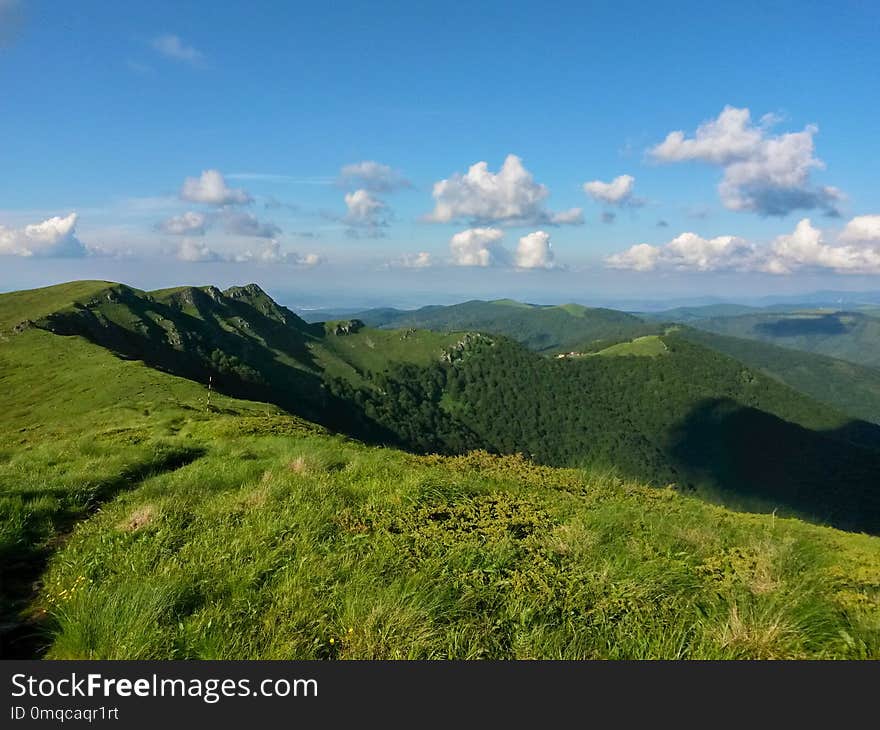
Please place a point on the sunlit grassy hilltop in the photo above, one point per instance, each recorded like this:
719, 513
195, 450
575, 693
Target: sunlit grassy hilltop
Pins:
142, 516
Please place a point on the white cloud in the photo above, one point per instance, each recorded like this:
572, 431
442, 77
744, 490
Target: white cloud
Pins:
688, 252
854, 251
478, 247
534, 251
372, 176
420, 260
195, 251
641, 257
617, 192
719, 141
806, 248
271, 253
52, 238
570, 217
862, 228
764, 173
365, 211
186, 224
309, 259
246, 224
171, 46
210, 188
509, 196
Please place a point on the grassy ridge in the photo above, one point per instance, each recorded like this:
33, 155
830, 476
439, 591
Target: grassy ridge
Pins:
79, 425
277, 544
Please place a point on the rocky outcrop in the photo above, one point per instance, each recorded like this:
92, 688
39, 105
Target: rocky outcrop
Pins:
470, 342
348, 327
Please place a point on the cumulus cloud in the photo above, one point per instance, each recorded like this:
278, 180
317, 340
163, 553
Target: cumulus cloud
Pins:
420, 260
211, 188
372, 176
478, 247
510, 196
245, 224
855, 251
641, 257
194, 251
52, 238
687, 252
271, 253
186, 224
807, 248
862, 228
570, 217
618, 192
484, 247
365, 213
534, 251
172, 47
762, 172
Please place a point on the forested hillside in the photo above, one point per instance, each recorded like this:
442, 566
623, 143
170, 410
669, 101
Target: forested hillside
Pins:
851, 388
839, 383
690, 416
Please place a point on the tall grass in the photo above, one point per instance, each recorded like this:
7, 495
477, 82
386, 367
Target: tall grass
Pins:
316, 547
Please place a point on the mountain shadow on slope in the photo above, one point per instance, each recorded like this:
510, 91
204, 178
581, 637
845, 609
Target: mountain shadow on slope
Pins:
760, 461
825, 324
691, 417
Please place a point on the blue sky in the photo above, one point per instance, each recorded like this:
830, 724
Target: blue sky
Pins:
108, 109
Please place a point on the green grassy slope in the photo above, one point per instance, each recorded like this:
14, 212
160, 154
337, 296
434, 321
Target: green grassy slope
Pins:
646, 346
540, 328
230, 531
239, 340
78, 425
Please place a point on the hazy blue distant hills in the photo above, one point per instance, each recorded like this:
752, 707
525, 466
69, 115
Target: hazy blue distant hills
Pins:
538, 327
846, 335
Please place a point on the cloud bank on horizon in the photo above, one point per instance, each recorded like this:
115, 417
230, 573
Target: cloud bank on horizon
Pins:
856, 249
